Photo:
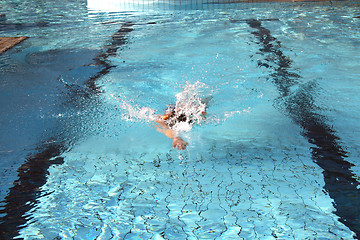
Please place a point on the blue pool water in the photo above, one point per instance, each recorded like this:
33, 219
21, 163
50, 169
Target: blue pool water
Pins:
276, 157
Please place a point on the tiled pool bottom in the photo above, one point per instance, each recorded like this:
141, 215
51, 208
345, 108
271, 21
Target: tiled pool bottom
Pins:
239, 193
252, 176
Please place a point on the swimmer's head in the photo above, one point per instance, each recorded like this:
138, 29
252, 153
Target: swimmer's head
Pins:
174, 116
169, 112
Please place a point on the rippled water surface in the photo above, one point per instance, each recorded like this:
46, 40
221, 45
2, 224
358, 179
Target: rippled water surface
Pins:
275, 157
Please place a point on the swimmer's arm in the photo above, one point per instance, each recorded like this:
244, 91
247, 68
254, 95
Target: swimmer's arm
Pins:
165, 130
178, 142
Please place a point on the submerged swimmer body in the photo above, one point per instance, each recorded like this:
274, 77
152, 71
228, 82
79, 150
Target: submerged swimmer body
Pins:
166, 122
174, 116
178, 142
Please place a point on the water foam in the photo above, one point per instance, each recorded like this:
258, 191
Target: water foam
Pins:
189, 109
133, 112
190, 105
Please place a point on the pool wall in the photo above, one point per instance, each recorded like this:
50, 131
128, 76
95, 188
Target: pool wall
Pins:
114, 5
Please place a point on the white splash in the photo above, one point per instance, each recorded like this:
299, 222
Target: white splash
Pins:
190, 108
190, 104
134, 112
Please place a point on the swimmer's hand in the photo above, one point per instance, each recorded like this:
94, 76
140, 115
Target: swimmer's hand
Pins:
179, 143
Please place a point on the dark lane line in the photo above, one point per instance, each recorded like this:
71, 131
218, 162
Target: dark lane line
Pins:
23, 195
340, 182
117, 40
32, 175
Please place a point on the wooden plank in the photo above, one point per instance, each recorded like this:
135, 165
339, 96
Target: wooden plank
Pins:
8, 42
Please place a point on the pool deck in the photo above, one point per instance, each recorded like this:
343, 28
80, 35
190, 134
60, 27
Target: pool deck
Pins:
8, 42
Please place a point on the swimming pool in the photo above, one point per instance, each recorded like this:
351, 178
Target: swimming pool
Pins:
276, 157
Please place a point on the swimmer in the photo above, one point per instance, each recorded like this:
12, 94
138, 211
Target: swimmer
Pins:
173, 116
177, 142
